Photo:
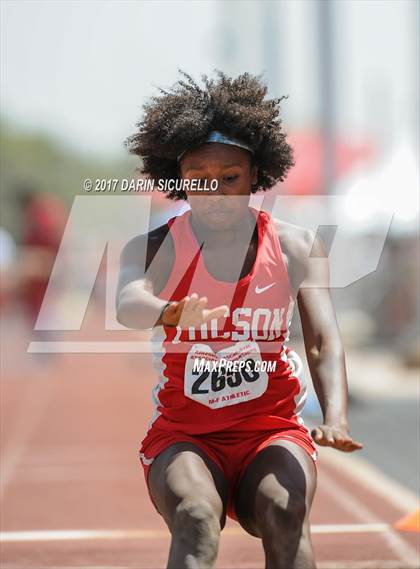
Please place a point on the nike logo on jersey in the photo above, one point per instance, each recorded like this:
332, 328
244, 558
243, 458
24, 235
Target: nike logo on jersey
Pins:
259, 290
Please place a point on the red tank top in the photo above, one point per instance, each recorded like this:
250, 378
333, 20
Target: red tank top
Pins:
232, 373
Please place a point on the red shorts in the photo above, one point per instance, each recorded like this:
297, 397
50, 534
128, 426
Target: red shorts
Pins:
231, 451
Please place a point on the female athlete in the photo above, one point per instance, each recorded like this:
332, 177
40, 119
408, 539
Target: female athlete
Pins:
218, 285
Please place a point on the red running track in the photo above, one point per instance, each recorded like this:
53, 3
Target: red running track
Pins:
73, 493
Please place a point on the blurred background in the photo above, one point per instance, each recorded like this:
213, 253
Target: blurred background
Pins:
74, 77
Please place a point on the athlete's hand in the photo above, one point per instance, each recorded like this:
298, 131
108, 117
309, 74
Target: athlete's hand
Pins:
336, 437
191, 311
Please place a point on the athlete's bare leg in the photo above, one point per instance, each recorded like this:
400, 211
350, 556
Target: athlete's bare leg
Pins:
273, 501
190, 492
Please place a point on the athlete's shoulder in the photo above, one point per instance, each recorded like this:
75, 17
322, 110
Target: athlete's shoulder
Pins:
299, 245
296, 241
143, 247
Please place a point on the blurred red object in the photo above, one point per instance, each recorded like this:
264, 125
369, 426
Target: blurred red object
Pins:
306, 178
44, 219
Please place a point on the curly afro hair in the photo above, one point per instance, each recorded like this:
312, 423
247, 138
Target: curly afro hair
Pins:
181, 119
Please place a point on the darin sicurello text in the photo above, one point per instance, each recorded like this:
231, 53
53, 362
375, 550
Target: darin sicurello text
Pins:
162, 185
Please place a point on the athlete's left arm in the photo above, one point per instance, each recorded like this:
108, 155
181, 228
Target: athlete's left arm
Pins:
323, 344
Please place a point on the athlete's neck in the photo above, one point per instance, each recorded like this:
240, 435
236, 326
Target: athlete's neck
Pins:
213, 238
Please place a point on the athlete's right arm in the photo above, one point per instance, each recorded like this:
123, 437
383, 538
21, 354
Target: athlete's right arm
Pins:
146, 262
136, 304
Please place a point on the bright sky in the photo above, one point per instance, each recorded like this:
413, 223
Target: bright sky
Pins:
85, 67
82, 70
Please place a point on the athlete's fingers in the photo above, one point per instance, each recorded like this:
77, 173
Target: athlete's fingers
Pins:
192, 303
200, 315
190, 315
320, 437
323, 436
185, 300
344, 442
335, 437
347, 448
347, 440
201, 304
328, 435
199, 309
217, 312
344, 446
178, 308
354, 445
184, 306
316, 434
340, 438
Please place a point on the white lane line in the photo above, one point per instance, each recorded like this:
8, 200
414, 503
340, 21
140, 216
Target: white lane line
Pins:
30, 410
91, 347
70, 535
380, 564
352, 505
372, 478
368, 564
349, 528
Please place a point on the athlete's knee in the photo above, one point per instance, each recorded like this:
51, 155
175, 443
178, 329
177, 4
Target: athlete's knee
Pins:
196, 520
283, 517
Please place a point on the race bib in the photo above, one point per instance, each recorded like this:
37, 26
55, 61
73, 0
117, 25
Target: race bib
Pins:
231, 376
